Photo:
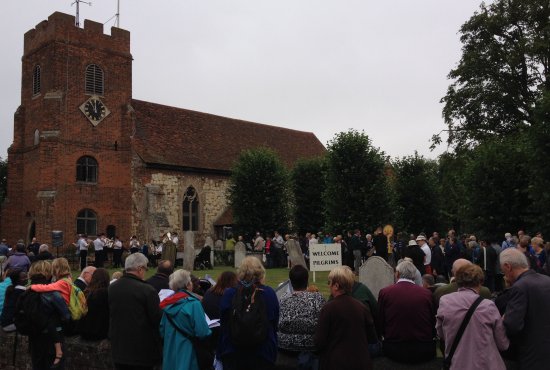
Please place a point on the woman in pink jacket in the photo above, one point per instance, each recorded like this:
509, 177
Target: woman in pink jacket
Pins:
484, 335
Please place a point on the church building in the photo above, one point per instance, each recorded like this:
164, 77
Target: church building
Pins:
88, 158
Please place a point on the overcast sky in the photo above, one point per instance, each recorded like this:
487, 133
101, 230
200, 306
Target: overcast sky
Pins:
313, 65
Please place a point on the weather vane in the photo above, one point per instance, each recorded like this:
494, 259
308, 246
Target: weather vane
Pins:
77, 2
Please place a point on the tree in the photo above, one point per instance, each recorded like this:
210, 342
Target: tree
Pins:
259, 192
308, 180
496, 178
357, 193
417, 194
451, 188
502, 74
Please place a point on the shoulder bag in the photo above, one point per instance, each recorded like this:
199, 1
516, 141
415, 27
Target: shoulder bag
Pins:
448, 359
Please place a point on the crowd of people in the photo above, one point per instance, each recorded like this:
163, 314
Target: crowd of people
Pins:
485, 304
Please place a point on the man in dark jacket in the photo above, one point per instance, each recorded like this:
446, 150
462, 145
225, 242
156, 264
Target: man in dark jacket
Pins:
134, 318
487, 261
380, 243
160, 279
526, 318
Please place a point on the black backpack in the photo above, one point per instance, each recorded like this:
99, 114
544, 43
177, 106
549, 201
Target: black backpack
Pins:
249, 325
29, 317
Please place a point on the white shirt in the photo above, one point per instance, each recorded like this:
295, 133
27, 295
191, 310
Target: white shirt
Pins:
428, 252
82, 245
117, 244
98, 244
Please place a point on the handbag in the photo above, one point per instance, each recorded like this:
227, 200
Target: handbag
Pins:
205, 357
448, 360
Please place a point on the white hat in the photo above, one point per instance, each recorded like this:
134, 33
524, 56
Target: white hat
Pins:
412, 242
420, 237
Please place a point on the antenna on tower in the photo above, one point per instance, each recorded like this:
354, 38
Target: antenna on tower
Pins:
77, 18
117, 23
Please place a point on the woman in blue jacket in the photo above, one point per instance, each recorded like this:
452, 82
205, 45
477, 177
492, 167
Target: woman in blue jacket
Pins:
182, 313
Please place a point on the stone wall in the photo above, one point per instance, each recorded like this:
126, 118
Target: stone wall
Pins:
158, 199
79, 354
87, 355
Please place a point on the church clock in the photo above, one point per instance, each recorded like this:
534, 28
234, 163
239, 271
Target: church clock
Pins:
94, 110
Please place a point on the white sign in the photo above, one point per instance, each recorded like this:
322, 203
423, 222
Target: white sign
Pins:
324, 257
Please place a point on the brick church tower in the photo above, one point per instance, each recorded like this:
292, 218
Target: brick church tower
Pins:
69, 164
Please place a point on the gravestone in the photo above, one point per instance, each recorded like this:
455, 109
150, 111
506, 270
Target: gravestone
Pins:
240, 253
218, 245
295, 253
169, 252
376, 274
189, 251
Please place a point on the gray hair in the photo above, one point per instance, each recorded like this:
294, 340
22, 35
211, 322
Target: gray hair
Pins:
43, 247
513, 257
135, 261
179, 279
406, 270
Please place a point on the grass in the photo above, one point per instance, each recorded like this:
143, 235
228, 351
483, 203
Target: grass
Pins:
273, 277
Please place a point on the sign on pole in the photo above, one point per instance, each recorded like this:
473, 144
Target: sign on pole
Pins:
324, 257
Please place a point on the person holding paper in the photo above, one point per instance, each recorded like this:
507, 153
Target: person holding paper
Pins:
182, 320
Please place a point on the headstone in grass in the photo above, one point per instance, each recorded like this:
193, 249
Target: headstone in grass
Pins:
376, 274
189, 251
295, 253
218, 245
240, 253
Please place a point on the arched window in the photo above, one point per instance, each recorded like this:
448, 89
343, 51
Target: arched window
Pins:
36, 80
36, 137
190, 210
111, 231
86, 222
86, 169
94, 80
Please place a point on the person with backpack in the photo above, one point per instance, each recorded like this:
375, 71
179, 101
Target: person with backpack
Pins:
40, 315
64, 285
13, 292
249, 318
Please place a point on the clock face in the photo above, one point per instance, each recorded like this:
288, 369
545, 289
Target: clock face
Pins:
94, 110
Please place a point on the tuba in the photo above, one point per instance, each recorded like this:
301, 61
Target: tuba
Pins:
108, 243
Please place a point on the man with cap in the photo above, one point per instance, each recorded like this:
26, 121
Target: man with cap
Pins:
415, 253
422, 242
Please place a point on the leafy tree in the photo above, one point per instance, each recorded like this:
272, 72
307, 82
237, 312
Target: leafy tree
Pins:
451, 187
496, 187
308, 179
357, 193
539, 179
417, 194
259, 192
503, 71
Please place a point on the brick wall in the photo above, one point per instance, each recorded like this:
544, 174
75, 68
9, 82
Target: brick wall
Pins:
42, 186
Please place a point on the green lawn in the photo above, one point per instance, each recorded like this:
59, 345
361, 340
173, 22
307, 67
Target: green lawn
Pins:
274, 277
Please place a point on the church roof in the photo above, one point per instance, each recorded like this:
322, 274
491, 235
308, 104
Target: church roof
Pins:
177, 138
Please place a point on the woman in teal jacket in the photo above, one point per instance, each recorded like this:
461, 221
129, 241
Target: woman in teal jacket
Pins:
182, 312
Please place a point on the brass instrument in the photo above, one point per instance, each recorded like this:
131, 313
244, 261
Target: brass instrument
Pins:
108, 242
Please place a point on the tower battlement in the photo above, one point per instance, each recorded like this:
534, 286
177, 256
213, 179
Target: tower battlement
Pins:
60, 27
